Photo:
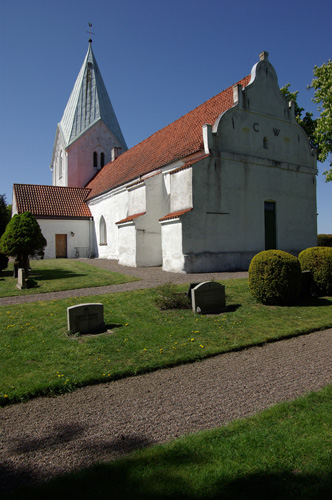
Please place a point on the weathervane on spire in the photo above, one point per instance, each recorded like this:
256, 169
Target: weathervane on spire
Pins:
90, 32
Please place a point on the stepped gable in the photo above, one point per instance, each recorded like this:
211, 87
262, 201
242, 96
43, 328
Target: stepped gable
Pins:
52, 201
177, 140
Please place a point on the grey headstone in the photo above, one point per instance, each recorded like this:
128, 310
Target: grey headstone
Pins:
208, 298
21, 282
85, 318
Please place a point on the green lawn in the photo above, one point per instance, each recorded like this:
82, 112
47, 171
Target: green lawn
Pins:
284, 453
38, 357
59, 274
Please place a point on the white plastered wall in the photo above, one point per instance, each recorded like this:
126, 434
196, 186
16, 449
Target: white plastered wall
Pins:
80, 240
258, 153
113, 206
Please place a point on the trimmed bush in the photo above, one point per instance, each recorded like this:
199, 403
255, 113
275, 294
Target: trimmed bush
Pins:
318, 260
275, 277
324, 240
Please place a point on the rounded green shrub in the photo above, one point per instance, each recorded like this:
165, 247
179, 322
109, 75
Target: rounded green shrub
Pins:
275, 277
318, 260
324, 240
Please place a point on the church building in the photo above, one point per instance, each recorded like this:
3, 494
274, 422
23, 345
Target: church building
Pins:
232, 177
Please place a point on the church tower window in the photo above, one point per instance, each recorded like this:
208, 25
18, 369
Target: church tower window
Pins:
60, 165
95, 159
102, 160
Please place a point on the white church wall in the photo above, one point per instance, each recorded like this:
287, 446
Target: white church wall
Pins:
181, 190
78, 234
148, 241
113, 206
172, 251
127, 244
226, 227
137, 199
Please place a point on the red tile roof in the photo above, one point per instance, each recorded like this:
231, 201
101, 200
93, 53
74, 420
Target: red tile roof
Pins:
175, 215
179, 139
130, 218
52, 201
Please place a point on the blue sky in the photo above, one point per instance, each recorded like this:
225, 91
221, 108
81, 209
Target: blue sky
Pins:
158, 59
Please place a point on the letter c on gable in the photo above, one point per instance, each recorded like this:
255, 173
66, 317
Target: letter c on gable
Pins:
255, 127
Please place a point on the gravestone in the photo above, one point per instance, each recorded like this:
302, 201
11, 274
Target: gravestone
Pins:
86, 318
21, 282
208, 298
191, 286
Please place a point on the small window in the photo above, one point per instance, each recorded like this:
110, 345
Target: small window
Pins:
95, 159
60, 165
102, 160
265, 143
102, 231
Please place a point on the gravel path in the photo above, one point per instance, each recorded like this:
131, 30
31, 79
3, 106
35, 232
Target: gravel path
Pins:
48, 436
149, 277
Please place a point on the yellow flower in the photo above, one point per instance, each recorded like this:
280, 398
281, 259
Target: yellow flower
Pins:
201, 346
5, 395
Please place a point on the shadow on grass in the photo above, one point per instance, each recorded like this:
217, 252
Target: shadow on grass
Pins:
54, 274
314, 302
167, 478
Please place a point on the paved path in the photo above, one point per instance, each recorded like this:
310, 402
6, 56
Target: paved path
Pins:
48, 436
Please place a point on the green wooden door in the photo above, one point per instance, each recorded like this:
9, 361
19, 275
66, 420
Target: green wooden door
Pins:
270, 225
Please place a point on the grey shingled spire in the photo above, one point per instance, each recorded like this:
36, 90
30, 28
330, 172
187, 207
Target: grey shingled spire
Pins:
88, 103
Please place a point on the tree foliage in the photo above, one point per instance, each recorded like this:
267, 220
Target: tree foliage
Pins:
4, 219
319, 130
22, 238
322, 84
4, 214
307, 122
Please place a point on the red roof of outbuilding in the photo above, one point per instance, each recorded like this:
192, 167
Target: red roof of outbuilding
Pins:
52, 201
179, 139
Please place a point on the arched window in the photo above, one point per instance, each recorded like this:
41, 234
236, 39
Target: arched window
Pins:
95, 159
102, 160
102, 231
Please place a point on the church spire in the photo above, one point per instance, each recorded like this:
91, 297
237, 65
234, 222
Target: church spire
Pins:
88, 103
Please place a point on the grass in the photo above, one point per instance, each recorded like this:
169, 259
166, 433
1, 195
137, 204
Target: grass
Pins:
284, 453
38, 357
59, 274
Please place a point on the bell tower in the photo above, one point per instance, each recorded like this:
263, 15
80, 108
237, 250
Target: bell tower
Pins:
88, 131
